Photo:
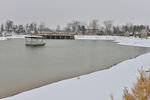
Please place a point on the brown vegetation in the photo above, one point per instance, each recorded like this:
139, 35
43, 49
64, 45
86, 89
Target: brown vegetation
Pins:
141, 90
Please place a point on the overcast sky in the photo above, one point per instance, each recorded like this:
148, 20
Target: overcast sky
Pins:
54, 12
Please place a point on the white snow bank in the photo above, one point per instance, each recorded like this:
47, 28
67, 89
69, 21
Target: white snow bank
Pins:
96, 86
16, 37
13, 37
3, 38
132, 41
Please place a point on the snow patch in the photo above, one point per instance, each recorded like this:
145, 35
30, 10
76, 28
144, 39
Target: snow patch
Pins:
17, 37
3, 38
131, 41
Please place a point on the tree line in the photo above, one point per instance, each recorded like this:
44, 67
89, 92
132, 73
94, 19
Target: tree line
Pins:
10, 27
76, 27
106, 28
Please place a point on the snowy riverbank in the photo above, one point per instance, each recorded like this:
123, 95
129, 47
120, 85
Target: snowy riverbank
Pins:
96, 86
13, 37
3, 38
16, 37
132, 41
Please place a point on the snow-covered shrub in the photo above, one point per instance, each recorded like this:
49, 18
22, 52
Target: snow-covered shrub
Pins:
143, 34
127, 34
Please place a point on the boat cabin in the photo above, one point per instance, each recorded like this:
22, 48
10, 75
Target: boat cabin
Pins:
34, 41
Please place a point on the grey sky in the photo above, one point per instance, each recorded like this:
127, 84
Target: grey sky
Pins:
54, 12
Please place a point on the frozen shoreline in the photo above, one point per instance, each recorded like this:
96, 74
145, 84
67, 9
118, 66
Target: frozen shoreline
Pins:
131, 41
95, 86
3, 38
98, 85
13, 37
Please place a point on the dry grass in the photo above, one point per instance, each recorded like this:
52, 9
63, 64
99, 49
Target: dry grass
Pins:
141, 90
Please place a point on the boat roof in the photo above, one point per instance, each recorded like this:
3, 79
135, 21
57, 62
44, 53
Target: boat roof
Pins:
35, 37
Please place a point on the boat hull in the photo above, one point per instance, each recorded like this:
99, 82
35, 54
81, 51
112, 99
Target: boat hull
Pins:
35, 45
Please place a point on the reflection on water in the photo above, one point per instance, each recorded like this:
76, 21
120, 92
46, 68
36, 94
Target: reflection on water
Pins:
23, 68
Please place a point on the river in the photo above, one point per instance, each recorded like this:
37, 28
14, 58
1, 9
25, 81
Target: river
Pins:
24, 68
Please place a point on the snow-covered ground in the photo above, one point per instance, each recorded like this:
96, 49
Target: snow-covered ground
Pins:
13, 37
132, 41
3, 38
16, 37
98, 85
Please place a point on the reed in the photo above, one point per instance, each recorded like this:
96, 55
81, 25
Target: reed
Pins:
141, 90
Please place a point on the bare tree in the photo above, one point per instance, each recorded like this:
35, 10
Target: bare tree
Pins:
21, 29
147, 28
58, 28
33, 27
94, 25
41, 27
129, 27
75, 26
27, 29
9, 26
108, 27
68, 28
15, 28
2, 28
116, 29
83, 29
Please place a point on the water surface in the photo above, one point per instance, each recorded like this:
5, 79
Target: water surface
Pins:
23, 68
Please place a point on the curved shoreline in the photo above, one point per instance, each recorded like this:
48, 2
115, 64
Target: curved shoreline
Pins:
129, 41
55, 82
84, 82
90, 72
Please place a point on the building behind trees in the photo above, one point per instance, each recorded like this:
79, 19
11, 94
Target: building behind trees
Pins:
77, 27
